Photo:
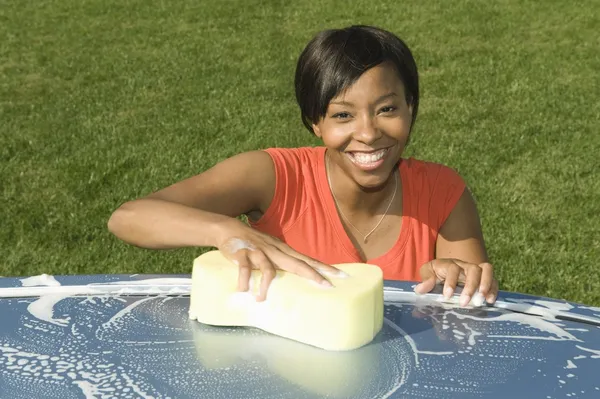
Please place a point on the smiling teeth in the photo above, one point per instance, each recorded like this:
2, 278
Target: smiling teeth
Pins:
368, 158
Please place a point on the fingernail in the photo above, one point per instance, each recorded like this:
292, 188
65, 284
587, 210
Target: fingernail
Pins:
464, 300
448, 292
326, 283
417, 288
490, 298
477, 300
235, 262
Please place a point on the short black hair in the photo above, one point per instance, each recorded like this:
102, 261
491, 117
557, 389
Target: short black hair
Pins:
334, 59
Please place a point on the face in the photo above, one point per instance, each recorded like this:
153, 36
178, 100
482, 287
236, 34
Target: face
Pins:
366, 127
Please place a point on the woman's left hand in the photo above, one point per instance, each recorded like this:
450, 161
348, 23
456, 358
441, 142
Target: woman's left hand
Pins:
454, 271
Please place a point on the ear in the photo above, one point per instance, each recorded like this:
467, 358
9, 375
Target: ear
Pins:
317, 131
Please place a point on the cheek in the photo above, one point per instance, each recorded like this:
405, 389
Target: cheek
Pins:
338, 135
398, 128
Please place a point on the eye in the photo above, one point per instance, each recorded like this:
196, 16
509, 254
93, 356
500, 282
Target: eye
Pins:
341, 115
389, 108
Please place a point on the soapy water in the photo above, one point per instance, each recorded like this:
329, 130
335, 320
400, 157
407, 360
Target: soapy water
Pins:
237, 244
141, 347
41, 280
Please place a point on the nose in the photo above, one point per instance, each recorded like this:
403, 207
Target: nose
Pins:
366, 130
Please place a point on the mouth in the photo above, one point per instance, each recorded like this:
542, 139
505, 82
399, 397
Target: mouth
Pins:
368, 160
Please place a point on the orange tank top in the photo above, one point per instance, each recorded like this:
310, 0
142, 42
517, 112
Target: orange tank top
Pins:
303, 213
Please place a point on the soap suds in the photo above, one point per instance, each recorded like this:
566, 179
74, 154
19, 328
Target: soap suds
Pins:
559, 306
329, 273
495, 333
530, 321
234, 245
596, 353
43, 309
172, 281
570, 365
124, 312
41, 280
98, 333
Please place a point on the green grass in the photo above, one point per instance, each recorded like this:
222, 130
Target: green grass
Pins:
102, 101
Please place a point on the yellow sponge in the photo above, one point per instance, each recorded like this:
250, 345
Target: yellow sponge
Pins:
344, 317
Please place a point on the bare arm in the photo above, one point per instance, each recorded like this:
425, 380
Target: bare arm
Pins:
461, 255
461, 237
195, 211
200, 211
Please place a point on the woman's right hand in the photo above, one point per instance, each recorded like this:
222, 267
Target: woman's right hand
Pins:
251, 249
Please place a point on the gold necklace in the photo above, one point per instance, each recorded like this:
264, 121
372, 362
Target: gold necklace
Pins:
342, 213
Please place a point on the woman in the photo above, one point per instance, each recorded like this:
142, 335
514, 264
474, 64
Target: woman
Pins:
354, 199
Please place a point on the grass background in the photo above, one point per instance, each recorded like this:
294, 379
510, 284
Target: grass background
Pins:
102, 101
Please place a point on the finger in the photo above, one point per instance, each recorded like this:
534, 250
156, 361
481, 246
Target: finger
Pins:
260, 260
472, 281
325, 269
321, 268
428, 279
244, 272
299, 267
487, 277
240, 259
452, 272
493, 295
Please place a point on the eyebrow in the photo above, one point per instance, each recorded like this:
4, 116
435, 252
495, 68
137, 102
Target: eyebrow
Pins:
380, 99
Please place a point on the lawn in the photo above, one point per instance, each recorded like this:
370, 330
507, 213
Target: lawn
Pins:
102, 101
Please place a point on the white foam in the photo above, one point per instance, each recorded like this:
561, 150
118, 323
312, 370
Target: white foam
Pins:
134, 387
534, 322
328, 273
390, 295
410, 341
236, 244
472, 334
124, 311
43, 309
169, 281
157, 286
596, 353
402, 377
551, 305
41, 280
558, 306
436, 353
570, 365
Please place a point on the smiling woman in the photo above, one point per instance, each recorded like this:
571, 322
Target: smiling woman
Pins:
354, 199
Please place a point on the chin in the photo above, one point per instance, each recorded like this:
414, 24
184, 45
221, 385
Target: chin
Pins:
372, 185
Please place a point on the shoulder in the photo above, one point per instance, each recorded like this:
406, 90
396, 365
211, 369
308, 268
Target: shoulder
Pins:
299, 155
294, 171
434, 190
298, 162
430, 173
